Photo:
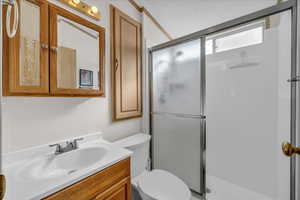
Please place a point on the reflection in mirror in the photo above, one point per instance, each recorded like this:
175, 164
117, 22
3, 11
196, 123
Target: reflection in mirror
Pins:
77, 56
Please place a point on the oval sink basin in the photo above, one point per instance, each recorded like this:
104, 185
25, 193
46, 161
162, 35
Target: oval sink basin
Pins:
80, 158
54, 166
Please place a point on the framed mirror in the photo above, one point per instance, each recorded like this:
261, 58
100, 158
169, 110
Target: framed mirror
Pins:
76, 55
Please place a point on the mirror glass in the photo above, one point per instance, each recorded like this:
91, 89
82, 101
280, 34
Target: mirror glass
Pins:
77, 56
29, 74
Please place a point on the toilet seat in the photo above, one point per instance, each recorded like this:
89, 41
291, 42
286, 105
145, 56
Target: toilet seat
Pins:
162, 185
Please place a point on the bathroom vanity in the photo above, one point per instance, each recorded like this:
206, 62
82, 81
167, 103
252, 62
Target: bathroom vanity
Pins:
110, 183
95, 170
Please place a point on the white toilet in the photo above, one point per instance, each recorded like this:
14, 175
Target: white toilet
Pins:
156, 184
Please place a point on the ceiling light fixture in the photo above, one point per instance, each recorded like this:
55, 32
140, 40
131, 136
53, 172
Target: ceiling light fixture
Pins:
81, 6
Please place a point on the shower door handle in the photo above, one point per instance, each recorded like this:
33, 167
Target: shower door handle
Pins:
294, 79
289, 150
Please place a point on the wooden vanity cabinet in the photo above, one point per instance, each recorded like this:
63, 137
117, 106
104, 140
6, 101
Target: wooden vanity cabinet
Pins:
25, 56
117, 192
112, 183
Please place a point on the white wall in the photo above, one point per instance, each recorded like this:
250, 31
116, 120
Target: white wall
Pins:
180, 18
34, 121
152, 34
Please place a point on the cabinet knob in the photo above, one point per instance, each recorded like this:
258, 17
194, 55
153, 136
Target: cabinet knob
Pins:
44, 46
117, 64
55, 49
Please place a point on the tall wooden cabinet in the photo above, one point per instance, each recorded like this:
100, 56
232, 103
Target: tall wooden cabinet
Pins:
126, 65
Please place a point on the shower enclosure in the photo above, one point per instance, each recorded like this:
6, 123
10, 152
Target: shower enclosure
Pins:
222, 102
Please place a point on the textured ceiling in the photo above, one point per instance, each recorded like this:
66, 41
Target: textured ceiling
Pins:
181, 17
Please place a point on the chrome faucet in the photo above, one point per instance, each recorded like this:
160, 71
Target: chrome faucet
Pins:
69, 146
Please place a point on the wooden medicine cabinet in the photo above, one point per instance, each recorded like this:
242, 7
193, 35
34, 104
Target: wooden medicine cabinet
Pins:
55, 53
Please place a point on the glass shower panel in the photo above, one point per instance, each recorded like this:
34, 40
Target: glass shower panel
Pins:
176, 112
176, 149
248, 116
176, 79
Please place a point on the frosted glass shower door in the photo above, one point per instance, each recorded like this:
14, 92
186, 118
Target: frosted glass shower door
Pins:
248, 105
176, 111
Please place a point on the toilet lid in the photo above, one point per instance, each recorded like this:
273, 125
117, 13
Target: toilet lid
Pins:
162, 185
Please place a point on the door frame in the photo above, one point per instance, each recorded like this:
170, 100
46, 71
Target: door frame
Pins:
294, 7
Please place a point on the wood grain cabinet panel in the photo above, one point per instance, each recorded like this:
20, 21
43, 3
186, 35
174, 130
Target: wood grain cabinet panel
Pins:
120, 191
126, 65
25, 59
112, 183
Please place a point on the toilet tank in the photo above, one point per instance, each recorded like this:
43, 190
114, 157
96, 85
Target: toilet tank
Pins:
139, 144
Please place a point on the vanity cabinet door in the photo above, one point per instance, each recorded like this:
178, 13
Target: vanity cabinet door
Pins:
25, 59
120, 191
126, 66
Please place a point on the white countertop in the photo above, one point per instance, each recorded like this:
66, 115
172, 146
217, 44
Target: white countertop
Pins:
21, 188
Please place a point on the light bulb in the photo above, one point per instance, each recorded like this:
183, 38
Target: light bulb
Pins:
94, 9
76, 1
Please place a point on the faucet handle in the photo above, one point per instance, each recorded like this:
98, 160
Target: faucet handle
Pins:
75, 142
54, 145
58, 147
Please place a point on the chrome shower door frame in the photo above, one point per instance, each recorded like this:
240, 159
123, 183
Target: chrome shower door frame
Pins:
291, 5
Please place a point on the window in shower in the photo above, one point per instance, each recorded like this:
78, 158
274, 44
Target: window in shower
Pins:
209, 47
252, 34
